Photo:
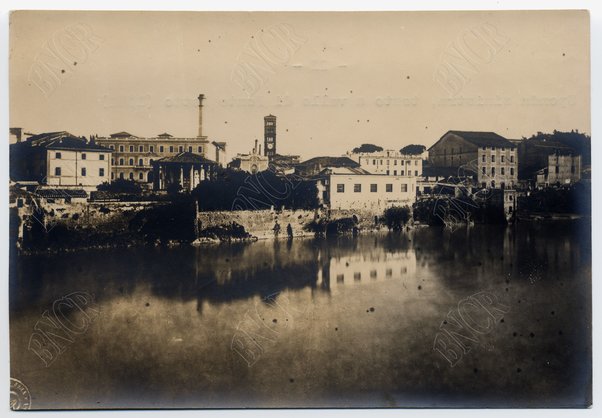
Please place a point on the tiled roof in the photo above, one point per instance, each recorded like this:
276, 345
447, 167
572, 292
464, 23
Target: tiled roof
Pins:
329, 162
63, 141
482, 139
123, 134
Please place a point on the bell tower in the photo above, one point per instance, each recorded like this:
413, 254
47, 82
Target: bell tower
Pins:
269, 138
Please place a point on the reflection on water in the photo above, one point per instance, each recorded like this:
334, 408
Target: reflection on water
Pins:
361, 317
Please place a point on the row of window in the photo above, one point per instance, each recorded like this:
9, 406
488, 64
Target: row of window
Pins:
501, 158
380, 162
131, 176
402, 172
131, 161
502, 171
84, 171
151, 148
58, 156
357, 188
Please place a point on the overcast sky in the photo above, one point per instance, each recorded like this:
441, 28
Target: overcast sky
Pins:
334, 80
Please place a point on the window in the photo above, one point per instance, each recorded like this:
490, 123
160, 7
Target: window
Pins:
483, 158
101, 157
512, 158
151, 148
112, 161
373, 162
502, 171
404, 188
57, 171
340, 188
511, 171
401, 162
121, 176
484, 148
394, 162
112, 147
101, 172
493, 158
483, 170
131, 176
189, 149
121, 161
493, 171
171, 148
389, 188
141, 148
141, 176
373, 188
120, 148
387, 172
394, 172
140, 161
200, 149
403, 173
57, 155
502, 159
572, 169
180, 148
131, 148
112, 176
503, 149
161, 148
357, 188
131, 161
83, 171
83, 155
416, 172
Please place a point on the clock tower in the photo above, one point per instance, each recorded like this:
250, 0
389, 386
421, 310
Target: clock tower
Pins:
269, 125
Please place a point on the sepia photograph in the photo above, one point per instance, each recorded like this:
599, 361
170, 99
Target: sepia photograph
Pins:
234, 210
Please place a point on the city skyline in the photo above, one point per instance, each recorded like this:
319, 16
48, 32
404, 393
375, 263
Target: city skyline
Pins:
331, 87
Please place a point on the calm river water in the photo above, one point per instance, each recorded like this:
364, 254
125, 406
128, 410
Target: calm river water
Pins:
337, 322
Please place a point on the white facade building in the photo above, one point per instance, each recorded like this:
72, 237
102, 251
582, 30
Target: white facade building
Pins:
348, 188
389, 162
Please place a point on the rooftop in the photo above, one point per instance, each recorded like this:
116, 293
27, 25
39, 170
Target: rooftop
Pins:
186, 158
63, 140
481, 139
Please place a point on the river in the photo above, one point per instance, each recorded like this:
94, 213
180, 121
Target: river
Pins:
351, 321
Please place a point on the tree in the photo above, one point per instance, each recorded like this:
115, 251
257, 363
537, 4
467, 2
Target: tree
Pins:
367, 148
120, 186
413, 149
396, 217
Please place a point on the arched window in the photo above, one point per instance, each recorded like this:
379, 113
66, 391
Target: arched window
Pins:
140, 162
120, 148
121, 161
141, 176
121, 176
131, 176
131, 161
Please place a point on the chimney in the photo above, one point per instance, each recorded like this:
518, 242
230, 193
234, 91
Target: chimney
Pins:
255, 148
259, 149
201, 98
